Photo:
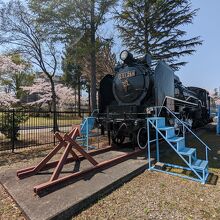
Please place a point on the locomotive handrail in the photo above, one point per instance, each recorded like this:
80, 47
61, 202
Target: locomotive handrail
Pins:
157, 107
179, 100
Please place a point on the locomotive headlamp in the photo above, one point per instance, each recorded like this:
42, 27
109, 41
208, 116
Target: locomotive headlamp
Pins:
127, 57
124, 55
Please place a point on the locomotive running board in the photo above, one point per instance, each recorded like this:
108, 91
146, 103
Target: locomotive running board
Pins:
68, 142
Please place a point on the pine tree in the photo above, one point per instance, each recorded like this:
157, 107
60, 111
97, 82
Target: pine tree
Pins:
156, 27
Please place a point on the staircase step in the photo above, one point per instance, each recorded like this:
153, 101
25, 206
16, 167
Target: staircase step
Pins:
152, 118
165, 128
175, 139
187, 151
170, 131
200, 164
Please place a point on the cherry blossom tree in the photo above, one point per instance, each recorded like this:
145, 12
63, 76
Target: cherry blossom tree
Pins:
42, 89
7, 100
8, 67
18, 29
215, 94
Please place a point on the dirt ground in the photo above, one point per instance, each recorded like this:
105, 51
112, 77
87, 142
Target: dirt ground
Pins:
151, 195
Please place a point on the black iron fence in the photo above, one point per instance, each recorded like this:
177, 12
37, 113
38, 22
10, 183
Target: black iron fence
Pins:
22, 129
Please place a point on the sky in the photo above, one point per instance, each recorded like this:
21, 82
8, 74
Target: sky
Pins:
203, 69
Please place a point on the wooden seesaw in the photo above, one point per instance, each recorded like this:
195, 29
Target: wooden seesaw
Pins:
68, 142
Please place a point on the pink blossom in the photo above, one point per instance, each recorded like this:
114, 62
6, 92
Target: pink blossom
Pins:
41, 87
7, 66
7, 99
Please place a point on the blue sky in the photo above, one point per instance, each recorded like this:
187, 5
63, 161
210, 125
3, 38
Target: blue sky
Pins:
203, 69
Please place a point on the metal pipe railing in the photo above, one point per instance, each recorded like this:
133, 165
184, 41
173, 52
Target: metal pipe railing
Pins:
183, 124
152, 124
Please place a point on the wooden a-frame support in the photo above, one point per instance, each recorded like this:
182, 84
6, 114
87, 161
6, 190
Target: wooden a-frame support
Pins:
69, 143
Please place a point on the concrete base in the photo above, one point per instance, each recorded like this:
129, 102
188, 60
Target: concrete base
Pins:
69, 200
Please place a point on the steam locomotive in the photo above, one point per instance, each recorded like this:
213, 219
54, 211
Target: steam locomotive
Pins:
125, 98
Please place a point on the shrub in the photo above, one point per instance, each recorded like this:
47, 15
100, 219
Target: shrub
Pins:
10, 123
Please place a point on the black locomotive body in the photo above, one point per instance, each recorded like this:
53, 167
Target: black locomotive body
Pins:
125, 98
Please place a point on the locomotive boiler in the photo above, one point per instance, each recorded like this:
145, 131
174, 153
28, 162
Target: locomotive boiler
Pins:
125, 98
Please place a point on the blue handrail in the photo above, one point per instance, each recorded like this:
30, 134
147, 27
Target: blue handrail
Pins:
184, 126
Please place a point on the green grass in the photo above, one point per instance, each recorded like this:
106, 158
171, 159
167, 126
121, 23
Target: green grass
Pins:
44, 121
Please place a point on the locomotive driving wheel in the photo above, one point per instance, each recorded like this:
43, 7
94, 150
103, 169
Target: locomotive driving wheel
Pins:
117, 138
142, 138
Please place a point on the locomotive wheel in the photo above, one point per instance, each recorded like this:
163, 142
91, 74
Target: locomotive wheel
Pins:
142, 138
118, 139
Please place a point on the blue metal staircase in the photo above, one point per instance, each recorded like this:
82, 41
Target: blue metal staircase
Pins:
187, 154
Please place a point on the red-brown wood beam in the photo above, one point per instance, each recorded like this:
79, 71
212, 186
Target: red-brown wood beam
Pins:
60, 138
61, 163
80, 149
69, 160
42, 163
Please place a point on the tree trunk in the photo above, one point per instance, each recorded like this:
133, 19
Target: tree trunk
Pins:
93, 57
75, 101
89, 99
79, 96
54, 105
146, 31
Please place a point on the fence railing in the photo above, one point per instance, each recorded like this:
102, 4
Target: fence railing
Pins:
22, 129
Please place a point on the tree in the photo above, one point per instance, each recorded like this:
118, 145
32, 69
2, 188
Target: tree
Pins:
106, 61
18, 27
7, 69
42, 89
74, 19
7, 66
215, 95
9, 124
156, 27
14, 80
7, 100
72, 74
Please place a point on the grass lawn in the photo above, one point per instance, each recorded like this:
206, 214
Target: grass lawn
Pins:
44, 121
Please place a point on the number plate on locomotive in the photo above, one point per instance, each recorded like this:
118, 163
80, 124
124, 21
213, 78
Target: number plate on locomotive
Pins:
126, 75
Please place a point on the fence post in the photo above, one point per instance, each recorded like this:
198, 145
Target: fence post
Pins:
13, 130
54, 118
218, 120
